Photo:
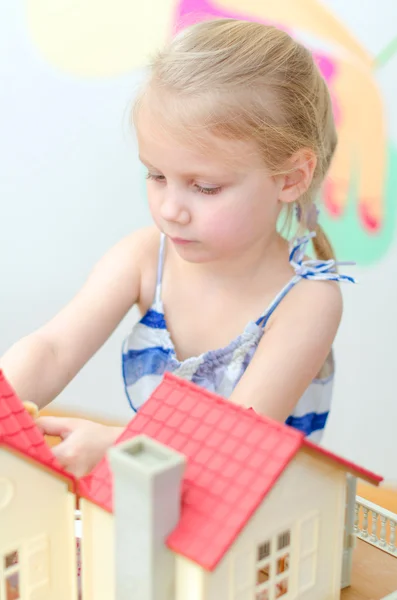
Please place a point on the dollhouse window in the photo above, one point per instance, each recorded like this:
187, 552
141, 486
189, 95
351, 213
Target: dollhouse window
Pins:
11, 573
273, 568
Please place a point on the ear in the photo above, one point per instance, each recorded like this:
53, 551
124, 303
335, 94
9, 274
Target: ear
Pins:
300, 170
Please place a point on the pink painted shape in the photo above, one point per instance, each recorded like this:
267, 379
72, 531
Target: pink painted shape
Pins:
189, 12
370, 223
329, 70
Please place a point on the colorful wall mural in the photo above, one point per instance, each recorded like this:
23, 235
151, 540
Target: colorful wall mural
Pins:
108, 39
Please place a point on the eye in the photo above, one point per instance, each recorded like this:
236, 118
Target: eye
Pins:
208, 191
154, 177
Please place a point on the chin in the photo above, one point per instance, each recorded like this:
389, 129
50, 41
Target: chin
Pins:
192, 254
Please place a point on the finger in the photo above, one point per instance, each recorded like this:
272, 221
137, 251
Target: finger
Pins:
31, 408
57, 426
69, 458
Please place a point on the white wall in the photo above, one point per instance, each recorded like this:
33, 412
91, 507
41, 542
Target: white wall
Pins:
70, 186
362, 423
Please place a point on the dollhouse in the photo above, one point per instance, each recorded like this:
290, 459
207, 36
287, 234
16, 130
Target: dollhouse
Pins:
198, 500
37, 504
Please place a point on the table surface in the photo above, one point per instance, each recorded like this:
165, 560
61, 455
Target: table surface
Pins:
374, 573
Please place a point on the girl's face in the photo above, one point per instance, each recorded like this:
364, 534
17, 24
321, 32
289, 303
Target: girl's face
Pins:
211, 208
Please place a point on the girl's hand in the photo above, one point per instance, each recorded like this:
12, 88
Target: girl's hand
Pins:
84, 443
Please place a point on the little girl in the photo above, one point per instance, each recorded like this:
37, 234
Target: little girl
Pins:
234, 127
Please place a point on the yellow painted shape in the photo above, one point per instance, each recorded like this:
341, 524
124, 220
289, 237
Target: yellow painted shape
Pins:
99, 38
362, 137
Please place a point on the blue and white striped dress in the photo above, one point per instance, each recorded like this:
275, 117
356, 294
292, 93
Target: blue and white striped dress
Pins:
148, 352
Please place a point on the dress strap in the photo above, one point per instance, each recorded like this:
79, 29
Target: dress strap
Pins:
320, 270
158, 303
316, 270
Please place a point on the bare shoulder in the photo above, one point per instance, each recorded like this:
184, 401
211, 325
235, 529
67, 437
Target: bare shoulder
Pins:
135, 247
318, 302
148, 244
320, 296
130, 260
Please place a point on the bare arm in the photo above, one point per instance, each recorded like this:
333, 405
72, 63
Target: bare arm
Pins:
40, 365
292, 351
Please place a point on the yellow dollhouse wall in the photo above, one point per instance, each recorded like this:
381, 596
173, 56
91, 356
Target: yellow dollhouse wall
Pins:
190, 580
37, 549
97, 552
309, 502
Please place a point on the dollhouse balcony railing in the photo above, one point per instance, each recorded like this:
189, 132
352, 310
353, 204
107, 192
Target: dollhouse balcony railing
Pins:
375, 525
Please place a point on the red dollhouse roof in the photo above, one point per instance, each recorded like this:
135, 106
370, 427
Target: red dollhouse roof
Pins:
19, 432
234, 457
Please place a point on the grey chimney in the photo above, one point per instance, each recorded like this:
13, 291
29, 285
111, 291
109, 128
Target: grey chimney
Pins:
146, 497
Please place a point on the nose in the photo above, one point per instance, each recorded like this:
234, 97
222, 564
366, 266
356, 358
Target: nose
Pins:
173, 206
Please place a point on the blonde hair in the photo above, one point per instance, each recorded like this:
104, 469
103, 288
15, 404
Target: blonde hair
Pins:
247, 81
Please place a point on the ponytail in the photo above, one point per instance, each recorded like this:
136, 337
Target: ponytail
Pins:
321, 244
307, 214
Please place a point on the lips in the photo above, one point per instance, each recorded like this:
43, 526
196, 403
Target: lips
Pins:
180, 241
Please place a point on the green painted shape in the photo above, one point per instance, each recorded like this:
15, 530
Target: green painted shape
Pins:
349, 239
386, 54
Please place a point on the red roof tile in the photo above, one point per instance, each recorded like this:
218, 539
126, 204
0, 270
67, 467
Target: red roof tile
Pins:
234, 457
19, 432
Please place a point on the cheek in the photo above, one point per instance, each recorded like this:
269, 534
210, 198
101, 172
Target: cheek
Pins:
224, 224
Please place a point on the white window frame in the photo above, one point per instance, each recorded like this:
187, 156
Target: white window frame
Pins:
7, 571
250, 588
274, 555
